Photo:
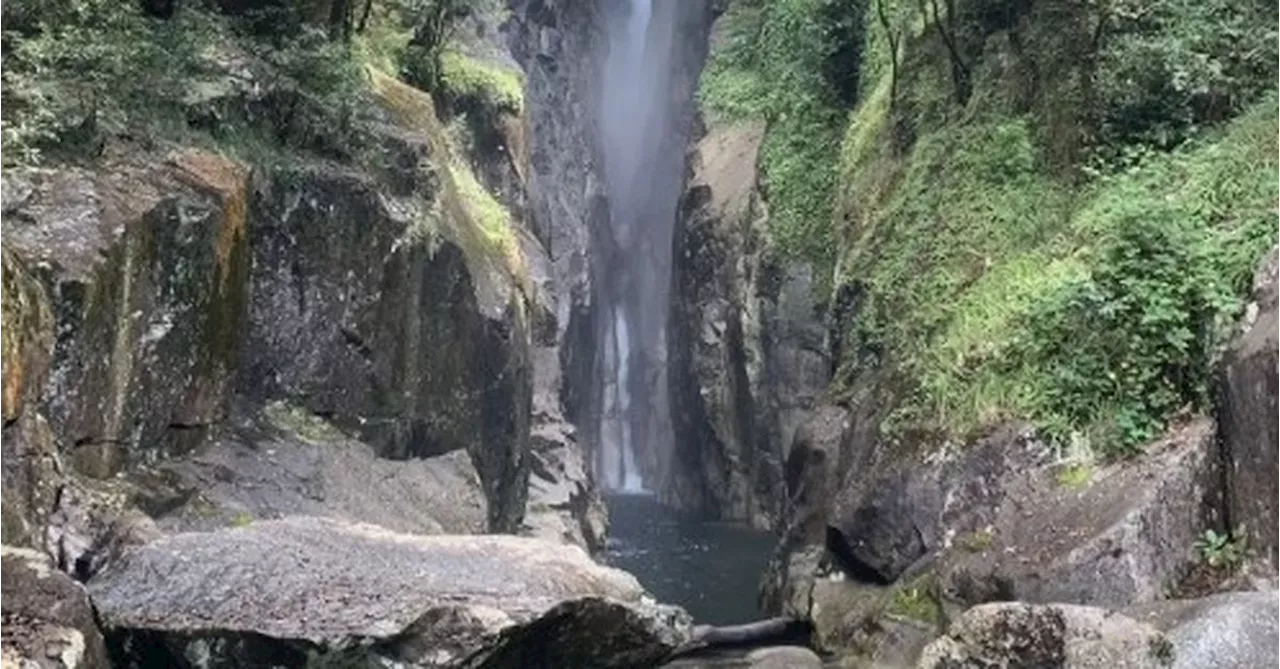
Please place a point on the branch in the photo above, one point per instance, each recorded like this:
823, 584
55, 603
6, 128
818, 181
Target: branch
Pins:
761, 631
956, 60
893, 52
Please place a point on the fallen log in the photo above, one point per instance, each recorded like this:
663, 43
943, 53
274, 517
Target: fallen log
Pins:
761, 632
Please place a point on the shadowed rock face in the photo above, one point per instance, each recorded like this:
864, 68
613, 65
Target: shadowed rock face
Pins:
360, 323
882, 525
746, 360
1248, 406
48, 623
443, 601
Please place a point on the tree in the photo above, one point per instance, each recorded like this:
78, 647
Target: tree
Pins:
433, 24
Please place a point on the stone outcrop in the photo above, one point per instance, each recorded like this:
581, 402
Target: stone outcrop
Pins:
551, 42
145, 268
998, 520
1124, 536
178, 285
409, 346
29, 463
1060, 636
1247, 417
881, 526
48, 622
444, 601
287, 461
564, 503
746, 355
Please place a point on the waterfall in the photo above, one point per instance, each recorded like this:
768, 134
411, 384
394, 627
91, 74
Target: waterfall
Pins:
641, 147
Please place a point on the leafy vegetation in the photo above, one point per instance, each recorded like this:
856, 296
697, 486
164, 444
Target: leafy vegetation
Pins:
75, 69
1225, 550
1010, 260
917, 601
80, 72
794, 64
474, 83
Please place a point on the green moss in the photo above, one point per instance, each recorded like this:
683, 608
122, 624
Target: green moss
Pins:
978, 541
242, 519
300, 422
495, 88
789, 63
1074, 476
466, 213
917, 601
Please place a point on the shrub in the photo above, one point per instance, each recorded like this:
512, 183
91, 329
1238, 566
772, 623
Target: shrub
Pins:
77, 69
471, 83
1170, 67
1132, 343
792, 64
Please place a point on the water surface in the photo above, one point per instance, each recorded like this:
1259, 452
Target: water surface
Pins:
711, 569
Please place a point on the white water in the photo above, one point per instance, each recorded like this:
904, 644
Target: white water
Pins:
625, 111
642, 147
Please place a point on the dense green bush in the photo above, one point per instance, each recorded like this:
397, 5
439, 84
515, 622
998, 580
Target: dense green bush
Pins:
1169, 67
75, 69
791, 63
1132, 343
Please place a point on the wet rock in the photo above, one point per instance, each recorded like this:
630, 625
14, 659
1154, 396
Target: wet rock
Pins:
881, 526
286, 461
565, 188
27, 450
885, 626
783, 657
259, 595
48, 623
144, 263
1247, 417
1017, 635
811, 481
1125, 536
746, 358
1235, 630
419, 347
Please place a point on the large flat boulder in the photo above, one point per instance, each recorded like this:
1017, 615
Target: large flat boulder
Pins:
1236, 630
1020, 636
286, 461
259, 595
48, 623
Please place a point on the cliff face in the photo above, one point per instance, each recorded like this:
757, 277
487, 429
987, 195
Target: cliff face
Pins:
158, 297
747, 361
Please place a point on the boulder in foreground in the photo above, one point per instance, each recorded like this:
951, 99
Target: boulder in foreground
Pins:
1236, 630
1058, 636
281, 593
47, 620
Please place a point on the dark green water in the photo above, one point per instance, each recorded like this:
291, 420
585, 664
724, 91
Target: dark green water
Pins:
711, 569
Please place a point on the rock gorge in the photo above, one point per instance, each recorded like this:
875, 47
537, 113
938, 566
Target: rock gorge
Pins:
333, 367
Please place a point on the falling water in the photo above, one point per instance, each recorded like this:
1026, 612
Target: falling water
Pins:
642, 149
